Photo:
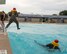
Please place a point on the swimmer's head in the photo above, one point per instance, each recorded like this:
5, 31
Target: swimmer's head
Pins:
56, 41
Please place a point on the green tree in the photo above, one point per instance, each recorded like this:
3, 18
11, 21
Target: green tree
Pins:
63, 12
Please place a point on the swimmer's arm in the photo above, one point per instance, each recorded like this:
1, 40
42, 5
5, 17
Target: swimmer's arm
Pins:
39, 44
59, 49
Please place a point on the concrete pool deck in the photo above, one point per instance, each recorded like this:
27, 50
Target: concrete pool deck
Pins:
4, 43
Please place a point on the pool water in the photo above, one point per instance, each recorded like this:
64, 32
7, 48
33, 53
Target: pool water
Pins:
22, 41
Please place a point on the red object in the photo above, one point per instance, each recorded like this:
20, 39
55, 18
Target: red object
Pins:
56, 41
14, 8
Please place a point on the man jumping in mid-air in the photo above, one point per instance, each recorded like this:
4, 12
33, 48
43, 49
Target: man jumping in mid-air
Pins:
13, 14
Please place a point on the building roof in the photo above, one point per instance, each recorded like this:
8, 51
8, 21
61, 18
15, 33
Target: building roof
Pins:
40, 16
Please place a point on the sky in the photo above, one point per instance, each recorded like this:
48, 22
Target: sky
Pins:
47, 7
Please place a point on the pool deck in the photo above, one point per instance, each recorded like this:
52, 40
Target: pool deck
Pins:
4, 43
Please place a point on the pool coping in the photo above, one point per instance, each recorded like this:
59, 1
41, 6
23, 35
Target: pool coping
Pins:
4, 43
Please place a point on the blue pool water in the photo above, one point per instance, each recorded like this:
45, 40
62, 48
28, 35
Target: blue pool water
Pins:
22, 41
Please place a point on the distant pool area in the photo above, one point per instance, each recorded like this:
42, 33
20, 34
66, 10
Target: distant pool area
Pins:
22, 41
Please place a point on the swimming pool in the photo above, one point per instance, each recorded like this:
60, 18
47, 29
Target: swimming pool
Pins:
22, 41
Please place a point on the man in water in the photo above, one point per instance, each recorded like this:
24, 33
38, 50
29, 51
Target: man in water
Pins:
13, 14
54, 45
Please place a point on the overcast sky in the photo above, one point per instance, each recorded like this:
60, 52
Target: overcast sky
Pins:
35, 6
